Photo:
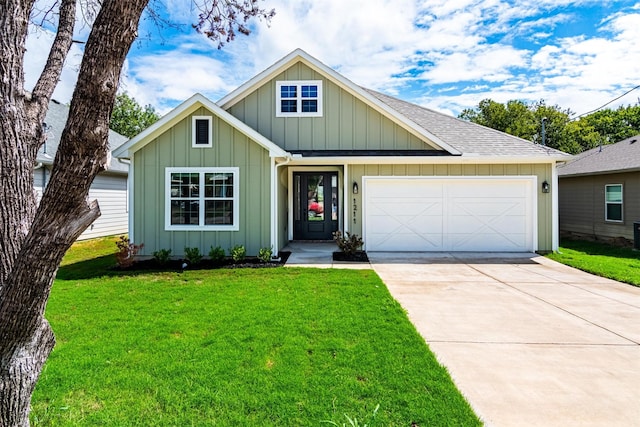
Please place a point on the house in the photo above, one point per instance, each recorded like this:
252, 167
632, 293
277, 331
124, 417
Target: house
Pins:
600, 191
299, 152
109, 187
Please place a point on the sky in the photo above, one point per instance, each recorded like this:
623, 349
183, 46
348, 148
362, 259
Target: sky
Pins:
446, 55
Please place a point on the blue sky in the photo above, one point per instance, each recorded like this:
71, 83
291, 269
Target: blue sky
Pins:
443, 54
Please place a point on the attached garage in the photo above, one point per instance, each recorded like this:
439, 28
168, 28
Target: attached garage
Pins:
432, 214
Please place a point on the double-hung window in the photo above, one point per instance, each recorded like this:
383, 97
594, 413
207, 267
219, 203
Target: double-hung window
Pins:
299, 98
201, 199
613, 202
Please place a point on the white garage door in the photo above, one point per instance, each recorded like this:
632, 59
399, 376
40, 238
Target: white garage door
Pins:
496, 214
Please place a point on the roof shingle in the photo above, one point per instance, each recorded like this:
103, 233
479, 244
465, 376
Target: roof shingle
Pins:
623, 156
469, 138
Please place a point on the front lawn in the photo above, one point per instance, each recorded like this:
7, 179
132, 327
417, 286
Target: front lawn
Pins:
249, 347
622, 264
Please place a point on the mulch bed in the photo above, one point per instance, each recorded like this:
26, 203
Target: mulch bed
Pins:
359, 256
205, 264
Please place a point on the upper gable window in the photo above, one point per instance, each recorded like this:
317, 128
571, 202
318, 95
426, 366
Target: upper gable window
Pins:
201, 132
299, 98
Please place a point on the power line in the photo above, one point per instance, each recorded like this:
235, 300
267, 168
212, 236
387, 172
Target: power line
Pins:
613, 100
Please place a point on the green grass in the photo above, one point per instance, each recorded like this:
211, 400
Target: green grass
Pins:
622, 264
252, 347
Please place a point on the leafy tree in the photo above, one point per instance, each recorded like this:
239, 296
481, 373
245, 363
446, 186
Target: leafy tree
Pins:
34, 238
561, 132
615, 125
129, 118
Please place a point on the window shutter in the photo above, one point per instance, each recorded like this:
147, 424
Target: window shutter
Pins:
202, 132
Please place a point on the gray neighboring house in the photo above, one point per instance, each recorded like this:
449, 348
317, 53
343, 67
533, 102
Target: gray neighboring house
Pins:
299, 151
600, 191
109, 187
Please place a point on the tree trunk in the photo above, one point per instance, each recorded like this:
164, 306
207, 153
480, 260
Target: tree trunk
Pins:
34, 242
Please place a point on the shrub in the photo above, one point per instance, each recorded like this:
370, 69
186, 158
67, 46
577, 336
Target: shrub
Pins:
127, 251
349, 244
162, 256
216, 254
238, 253
264, 254
192, 255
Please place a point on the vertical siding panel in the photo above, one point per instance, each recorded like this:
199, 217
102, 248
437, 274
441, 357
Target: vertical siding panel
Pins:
455, 170
399, 170
346, 130
510, 170
484, 170
427, 170
441, 170
413, 170
469, 170
388, 134
373, 138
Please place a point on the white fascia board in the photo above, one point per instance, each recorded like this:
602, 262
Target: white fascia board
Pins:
299, 55
182, 111
419, 160
165, 122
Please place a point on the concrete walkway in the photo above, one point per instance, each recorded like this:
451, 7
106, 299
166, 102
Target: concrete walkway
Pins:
528, 341
318, 255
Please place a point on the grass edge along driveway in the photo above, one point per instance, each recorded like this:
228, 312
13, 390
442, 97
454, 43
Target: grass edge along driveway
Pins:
254, 347
617, 263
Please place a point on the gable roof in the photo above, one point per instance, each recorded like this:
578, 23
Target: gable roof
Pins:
299, 55
623, 156
455, 136
183, 110
56, 120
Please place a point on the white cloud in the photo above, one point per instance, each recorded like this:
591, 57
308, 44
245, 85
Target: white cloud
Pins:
499, 49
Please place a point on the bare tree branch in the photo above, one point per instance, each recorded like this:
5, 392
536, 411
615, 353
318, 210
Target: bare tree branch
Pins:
50, 75
220, 19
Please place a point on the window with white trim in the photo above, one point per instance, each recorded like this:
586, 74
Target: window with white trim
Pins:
201, 132
613, 202
201, 199
301, 98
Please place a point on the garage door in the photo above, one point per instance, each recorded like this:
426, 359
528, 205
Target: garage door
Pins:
496, 214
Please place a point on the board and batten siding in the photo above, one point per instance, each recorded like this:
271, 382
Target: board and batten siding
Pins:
110, 190
173, 148
541, 171
582, 205
347, 123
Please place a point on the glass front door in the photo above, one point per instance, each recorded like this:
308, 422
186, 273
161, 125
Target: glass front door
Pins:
315, 205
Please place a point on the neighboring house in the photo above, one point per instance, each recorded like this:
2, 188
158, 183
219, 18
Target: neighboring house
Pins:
600, 191
299, 152
109, 187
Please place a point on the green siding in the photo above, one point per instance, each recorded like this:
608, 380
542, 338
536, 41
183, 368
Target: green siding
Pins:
347, 123
542, 171
173, 149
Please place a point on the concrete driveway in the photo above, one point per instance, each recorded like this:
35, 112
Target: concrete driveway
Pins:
528, 341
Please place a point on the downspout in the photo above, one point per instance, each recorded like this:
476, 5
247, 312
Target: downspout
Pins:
129, 195
555, 211
274, 202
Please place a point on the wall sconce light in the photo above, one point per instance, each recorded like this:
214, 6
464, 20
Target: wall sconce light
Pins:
545, 187
355, 187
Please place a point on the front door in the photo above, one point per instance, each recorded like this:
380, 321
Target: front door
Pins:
315, 205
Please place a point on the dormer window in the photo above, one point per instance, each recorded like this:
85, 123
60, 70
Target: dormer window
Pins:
201, 132
299, 98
